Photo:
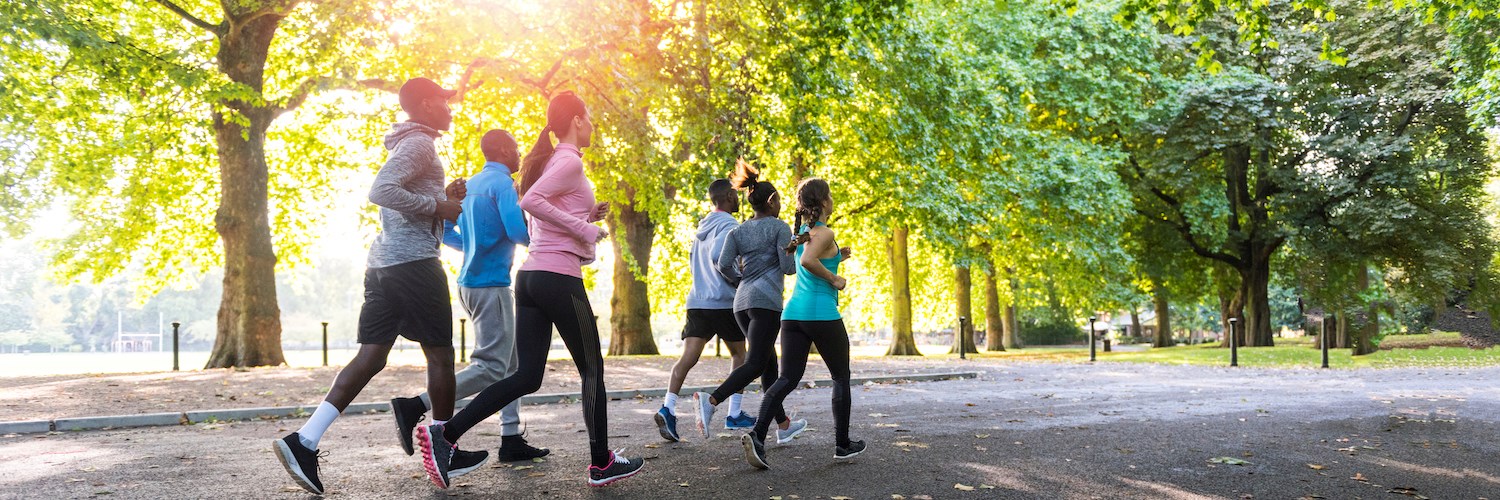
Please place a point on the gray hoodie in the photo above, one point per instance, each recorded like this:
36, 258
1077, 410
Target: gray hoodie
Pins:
755, 260
710, 290
407, 190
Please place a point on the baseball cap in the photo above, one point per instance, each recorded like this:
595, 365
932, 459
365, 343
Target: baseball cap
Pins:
415, 90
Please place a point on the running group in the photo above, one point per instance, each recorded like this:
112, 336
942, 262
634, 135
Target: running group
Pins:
737, 294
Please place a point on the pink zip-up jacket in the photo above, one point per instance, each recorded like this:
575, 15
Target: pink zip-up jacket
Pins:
562, 238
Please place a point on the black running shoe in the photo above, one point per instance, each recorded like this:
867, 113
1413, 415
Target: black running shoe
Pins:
755, 451
300, 462
465, 462
846, 452
408, 412
515, 449
619, 468
437, 454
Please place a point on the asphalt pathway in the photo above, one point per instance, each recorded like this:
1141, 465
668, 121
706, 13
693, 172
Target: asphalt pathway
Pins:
1019, 431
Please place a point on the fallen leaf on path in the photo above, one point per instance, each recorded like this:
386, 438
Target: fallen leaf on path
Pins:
1359, 477
840, 498
962, 487
986, 487
878, 415
1317, 466
653, 445
982, 436
684, 485
1403, 490
536, 474
1228, 461
524, 467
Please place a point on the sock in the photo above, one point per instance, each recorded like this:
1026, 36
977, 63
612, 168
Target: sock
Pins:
438, 422
312, 431
671, 403
734, 405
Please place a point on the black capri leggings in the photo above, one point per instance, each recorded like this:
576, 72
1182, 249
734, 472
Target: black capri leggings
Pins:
797, 339
544, 300
760, 327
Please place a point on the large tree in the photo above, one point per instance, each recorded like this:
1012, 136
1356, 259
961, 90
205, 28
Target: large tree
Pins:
147, 116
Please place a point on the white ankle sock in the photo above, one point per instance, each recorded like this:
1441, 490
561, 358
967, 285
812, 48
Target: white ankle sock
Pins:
438, 422
312, 431
671, 403
734, 405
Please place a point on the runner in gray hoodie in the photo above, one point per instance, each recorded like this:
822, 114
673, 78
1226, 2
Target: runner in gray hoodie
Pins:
710, 310
755, 259
406, 290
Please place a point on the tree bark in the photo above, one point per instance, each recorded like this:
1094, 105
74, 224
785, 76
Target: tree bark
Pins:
630, 304
1255, 286
1362, 339
1135, 323
249, 321
963, 335
1012, 332
994, 331
1163, 320
903, 343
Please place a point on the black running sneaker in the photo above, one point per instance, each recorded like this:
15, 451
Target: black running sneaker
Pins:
619, 468
515, 449
300, 462
408, 412
845, 452
437, 454
755, 451
465, 462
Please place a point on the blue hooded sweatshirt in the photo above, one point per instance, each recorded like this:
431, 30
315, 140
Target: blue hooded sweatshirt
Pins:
710, 289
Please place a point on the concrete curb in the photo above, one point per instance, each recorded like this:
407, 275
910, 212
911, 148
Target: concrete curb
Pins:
236, 414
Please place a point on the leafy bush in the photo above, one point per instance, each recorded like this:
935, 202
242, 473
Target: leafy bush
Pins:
1036, 332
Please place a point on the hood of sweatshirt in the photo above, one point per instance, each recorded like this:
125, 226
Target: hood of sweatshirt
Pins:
402, 130
713, 223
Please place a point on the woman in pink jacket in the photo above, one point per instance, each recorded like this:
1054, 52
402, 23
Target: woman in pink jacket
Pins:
549, 293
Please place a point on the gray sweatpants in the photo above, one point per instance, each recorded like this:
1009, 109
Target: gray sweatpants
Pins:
492, 311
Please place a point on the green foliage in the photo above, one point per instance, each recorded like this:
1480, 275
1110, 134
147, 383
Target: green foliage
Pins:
1051, 331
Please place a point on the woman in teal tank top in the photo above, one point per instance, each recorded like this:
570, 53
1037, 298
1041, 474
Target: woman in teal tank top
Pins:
811, 318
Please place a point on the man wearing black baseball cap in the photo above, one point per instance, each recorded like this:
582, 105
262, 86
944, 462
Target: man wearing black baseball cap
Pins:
406, 289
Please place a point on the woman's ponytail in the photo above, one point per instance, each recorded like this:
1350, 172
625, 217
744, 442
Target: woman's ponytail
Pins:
531, 167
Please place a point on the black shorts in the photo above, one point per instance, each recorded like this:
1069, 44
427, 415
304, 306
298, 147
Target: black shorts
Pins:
410, 300
705, 323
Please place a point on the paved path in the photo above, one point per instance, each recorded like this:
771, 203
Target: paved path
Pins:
1027, 431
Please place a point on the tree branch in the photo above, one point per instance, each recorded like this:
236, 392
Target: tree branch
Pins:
1181, 224
216, 29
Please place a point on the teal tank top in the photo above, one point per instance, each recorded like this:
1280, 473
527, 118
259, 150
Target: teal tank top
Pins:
813, 299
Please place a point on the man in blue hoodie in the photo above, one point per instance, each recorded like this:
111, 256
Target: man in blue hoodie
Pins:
487, 232
710, 310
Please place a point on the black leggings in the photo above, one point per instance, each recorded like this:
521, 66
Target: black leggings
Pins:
797, 339
760, 327
544, 300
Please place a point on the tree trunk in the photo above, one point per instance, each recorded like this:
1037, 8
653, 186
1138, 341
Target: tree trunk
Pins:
994, 332
1135, 323
630, 305
1340, 332
1163, 320
249, 322
1012, 332
963, 336
1362, 340
902, 341
1255, 285
1231, 305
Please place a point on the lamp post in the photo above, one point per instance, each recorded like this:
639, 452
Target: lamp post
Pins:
1092, 355
1234, 343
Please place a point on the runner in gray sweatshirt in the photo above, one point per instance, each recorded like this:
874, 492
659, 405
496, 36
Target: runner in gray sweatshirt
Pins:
710, 309
755, 259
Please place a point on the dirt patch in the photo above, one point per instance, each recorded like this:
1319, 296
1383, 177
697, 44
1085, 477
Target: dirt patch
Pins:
39, 398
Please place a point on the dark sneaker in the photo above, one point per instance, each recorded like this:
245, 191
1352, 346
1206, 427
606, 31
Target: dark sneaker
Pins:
465, 462
755, 451
784, 436
515, 449
666, 424
619, 468
408, 412
739, 422
705, 411
437, 454
846, 452
300, 462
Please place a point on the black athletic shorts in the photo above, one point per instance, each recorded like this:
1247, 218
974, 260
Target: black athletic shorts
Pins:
705, 323
410, 300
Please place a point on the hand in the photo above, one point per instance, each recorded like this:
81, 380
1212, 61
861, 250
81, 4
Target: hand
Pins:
845, 253
457, 189
839, 282
449, 210
603, 234
599, 212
